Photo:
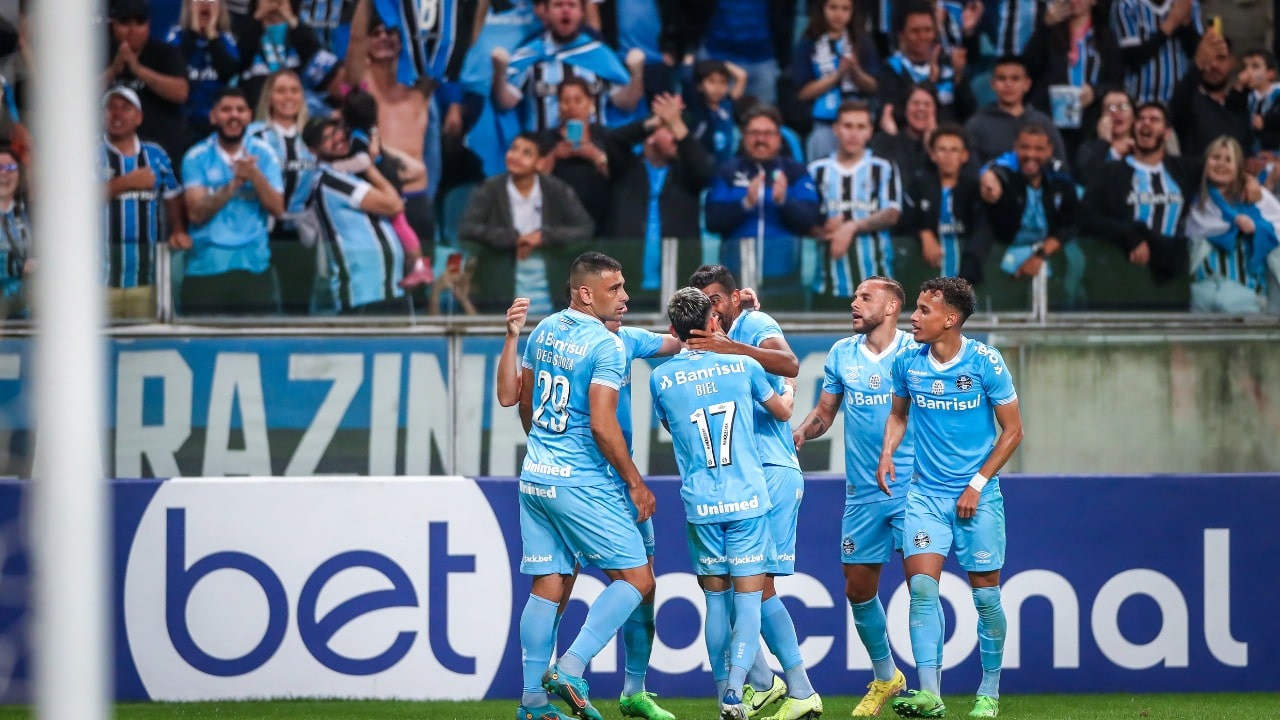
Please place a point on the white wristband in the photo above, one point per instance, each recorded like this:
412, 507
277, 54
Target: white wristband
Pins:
979, 481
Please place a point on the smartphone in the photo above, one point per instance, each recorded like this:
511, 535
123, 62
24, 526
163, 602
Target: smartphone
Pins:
454, 262
573, 133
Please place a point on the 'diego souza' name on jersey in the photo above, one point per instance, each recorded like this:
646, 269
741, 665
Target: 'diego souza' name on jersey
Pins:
703, 376
561, 348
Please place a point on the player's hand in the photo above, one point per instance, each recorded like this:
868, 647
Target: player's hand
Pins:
886, 474
713, 340
644, 502
967, 505
748, 299
798, 438
516, 316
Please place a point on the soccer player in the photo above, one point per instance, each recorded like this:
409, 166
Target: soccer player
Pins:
571, 504
858, 378
958, 390
639, 629
708, 402
758, 336
862, 201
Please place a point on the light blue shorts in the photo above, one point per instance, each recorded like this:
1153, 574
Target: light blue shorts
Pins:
786, 490
871, 532
740, 548
563, 526
931, 526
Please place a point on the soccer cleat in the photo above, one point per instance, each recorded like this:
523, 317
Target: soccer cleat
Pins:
421, 274
920, 704
878, 693
799, 709
546, 712
573, 690
731, 707
758, 700
985, 707
643, 705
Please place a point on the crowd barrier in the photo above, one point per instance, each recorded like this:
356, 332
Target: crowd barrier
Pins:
407, 587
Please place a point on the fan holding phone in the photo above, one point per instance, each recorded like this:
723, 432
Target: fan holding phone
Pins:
576, 152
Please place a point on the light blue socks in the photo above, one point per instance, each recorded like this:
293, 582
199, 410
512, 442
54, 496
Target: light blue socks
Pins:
780, 636
715, 633
869, 619
637, 643
926, 632
991, 633
604, 619
537, 638
744, 638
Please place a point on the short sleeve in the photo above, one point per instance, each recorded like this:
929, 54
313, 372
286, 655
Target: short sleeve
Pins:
997, 381
762, 327
641, 343
166, 181
658, 407
899, 373
347, 190
610, 362
761, 388
891, 188
831, 381
193, 169
269, 164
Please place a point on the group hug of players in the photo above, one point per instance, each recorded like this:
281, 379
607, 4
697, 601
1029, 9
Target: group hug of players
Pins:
922, 406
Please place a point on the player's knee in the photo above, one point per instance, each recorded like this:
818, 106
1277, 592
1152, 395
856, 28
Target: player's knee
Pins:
859, 590
642, 580
924, 589
986, 601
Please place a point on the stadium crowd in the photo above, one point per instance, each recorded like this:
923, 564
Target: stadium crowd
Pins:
366, 156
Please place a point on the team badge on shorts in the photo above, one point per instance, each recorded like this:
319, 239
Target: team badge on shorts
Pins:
848, 546
874, 381
938, 387
921, 540
964, 382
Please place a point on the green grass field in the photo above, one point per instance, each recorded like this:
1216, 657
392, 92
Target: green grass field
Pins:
1226, 706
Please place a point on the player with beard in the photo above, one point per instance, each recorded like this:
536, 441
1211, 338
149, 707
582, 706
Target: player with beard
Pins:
1138, 203
858, 378
233, 185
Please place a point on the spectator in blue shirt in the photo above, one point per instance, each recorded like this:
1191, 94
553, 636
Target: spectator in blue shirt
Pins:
771, 200
234, 185
15, 238
203, 36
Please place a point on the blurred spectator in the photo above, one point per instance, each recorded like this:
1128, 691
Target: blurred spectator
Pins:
281, 116
153, 70
958, 25
1030, 208
1259, 79
834, 62
16, 261
710, 96
920, 59
526, 229
1207, 102
1156, 37
233, 186
768, 199
904, 138
993, 129
1232, 228
403, 112
656, 195
645, 25
533, 73
141, 188
330, 19
203, 36
1137, 203
364, 263
942, 208
1114, 139
576, 152
1071, 61
1015, 23
861, 203
274, 39
15, 52
755, 35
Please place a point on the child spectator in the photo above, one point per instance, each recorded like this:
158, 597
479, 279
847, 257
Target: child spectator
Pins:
1259, 76
995, 126
710, 97
833, 62
942, 207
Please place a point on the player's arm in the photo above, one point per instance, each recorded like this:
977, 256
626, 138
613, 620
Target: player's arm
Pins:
895, 428
1009, 417
781, 405
608, 435
819, 419
670, 346
510, 375
526, 400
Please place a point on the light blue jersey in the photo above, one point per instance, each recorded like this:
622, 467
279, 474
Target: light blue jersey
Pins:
953, 413
236, 237
638, 343
772, 435
567, 353
707, 401
365, 258
866, 382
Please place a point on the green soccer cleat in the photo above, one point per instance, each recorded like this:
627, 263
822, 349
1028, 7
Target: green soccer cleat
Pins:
985, 707
643, 705
799, 709
573, 690
879, 693
546, 712
920, 704
757, 700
